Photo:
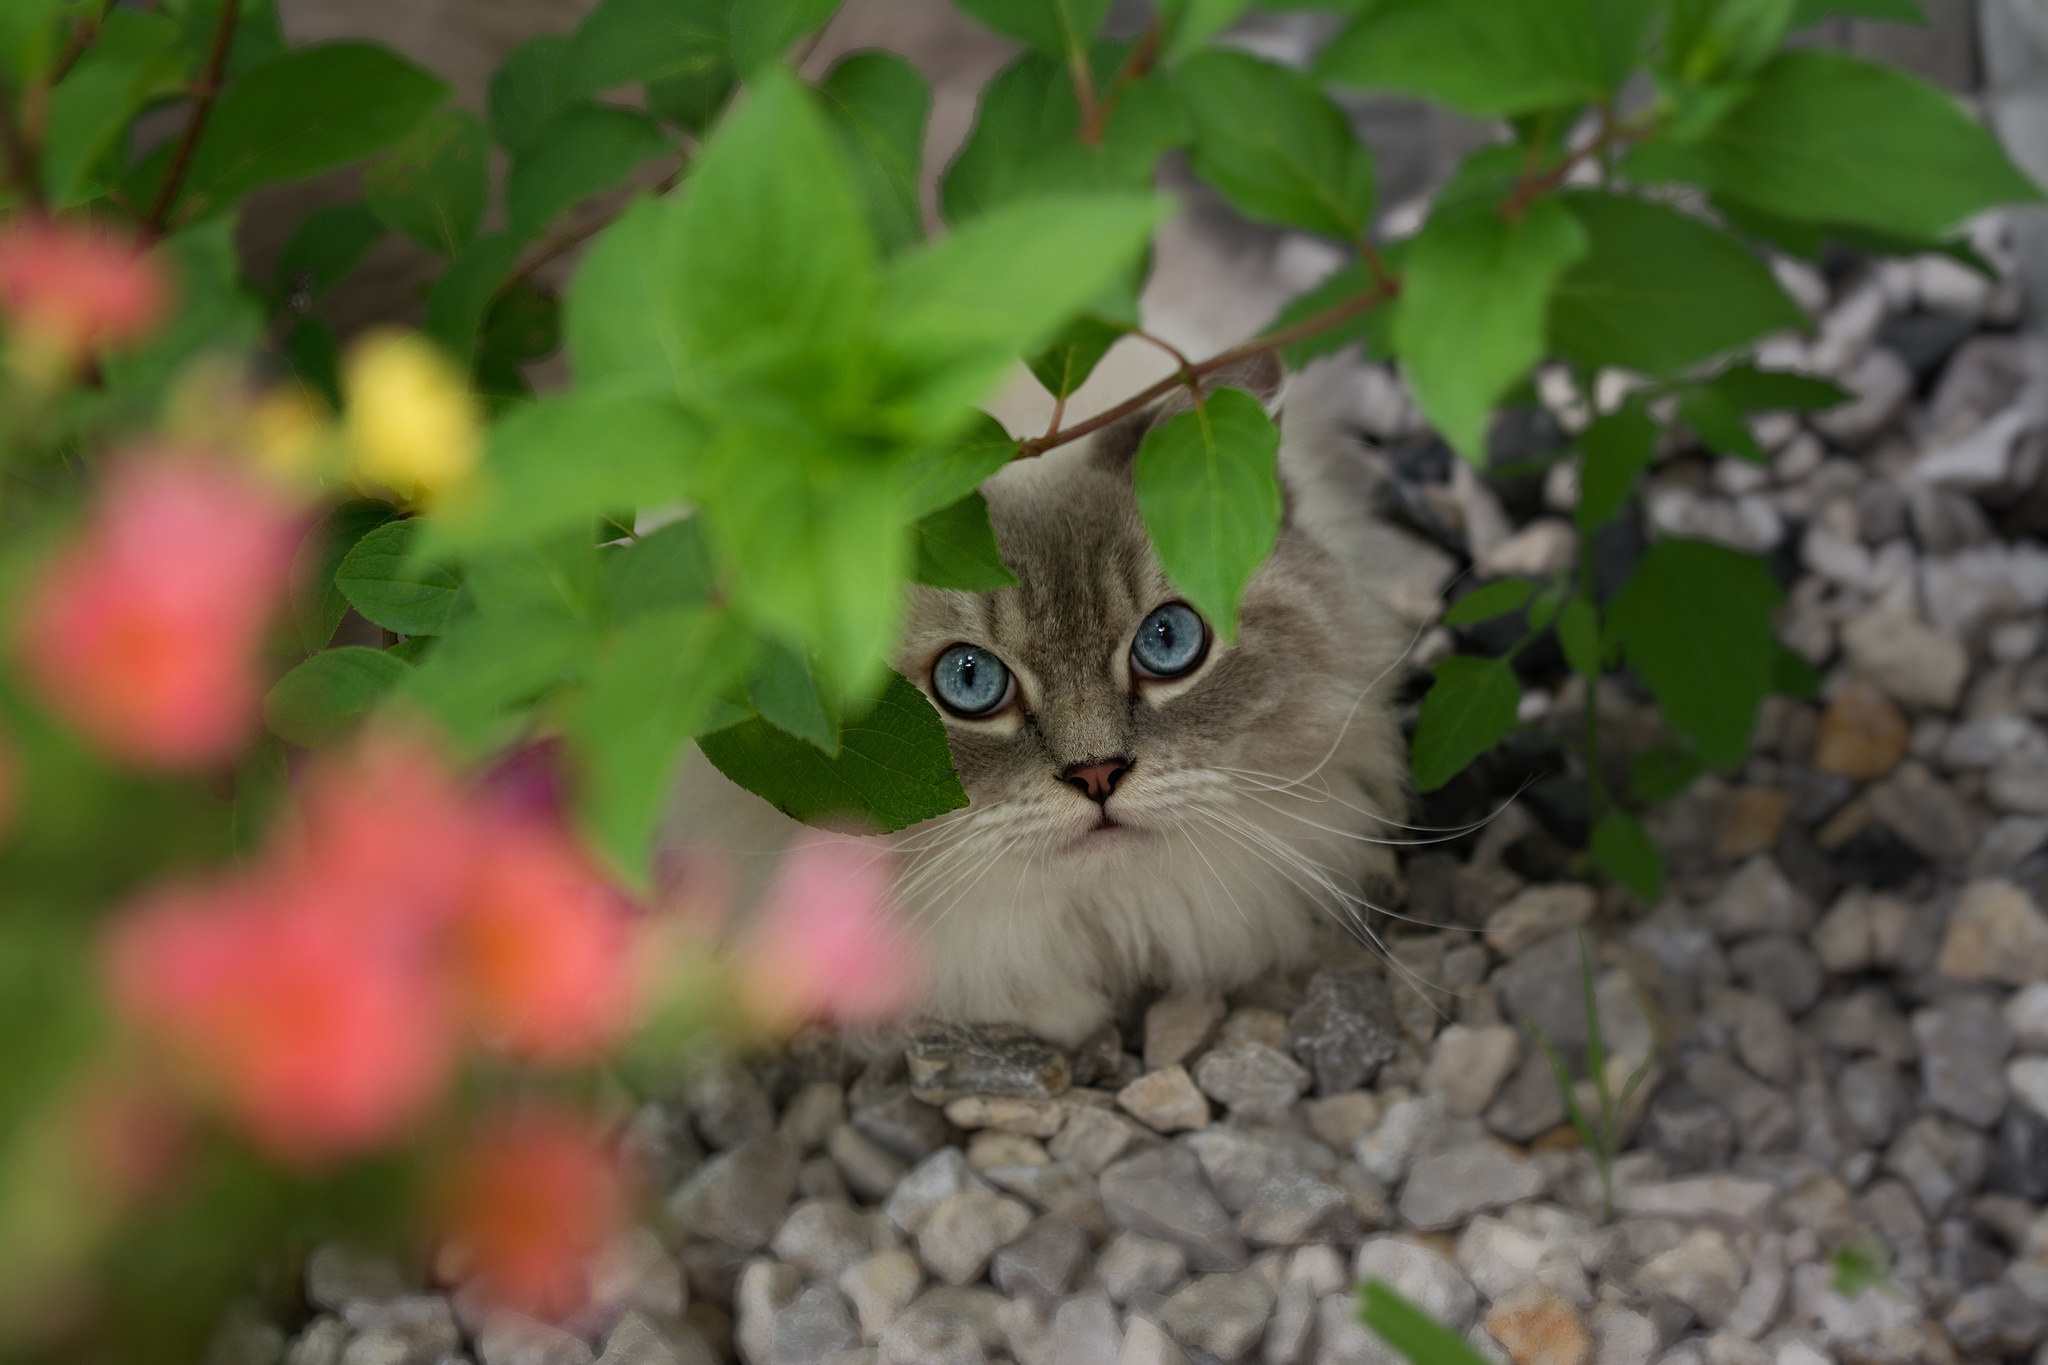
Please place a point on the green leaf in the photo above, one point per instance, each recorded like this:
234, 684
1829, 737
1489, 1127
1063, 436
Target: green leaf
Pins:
1053, 27
1657, 775
1485, 57
487, 668
325, 248
1209, 490
1495, 599
216, 313
894, 766
1190, 24
878, 104
1277, 147
1659, 291
627, 42
1420, 1338
381, 579
309, 110
1806, 13
1728, 39
433, 187
1026, 138
939, 477
1748, 389
531, 85
1695, 622
617, 320
1578, 634
459, 299
314, 353
1794, 677
1616, 448
1475, 293
561, 576
134, 59
1718, 423
1828, 138
330, 691
648, 689
956, 548
772, 243
565, 460
670, 567
1065, 365
584, 150
317, 604
1625, 853
783, 690
762, 30
1471, 706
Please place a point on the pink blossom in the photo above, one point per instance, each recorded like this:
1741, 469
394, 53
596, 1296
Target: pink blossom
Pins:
828, 944
70, 289
143, 632
533, 1199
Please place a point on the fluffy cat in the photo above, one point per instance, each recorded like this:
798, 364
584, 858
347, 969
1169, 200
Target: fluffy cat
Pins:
1170, 812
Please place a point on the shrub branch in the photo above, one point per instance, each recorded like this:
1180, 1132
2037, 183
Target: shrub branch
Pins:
202, 109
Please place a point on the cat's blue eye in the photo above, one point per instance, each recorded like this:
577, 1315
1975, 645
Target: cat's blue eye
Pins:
970, 680
1171, 641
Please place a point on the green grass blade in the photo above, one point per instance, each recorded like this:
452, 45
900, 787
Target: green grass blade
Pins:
1415, 1334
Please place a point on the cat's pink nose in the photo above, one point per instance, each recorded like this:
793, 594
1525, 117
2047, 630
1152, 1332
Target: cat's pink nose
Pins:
1096, 780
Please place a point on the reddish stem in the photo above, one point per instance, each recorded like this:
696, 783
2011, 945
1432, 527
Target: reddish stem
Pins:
202, 109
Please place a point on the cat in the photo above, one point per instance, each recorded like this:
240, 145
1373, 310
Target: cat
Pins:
1149, 807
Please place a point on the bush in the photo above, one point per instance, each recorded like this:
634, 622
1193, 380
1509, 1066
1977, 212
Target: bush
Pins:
250, 1010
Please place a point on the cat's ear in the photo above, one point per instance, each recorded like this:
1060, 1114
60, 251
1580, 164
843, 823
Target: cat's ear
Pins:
1259, 375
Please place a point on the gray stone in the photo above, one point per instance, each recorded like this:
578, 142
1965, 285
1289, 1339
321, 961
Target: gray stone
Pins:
1867, 1318
728, 1105
1223, 1315
1765, 1121
1344, 1031
319, 1342
640, 1340
1688, 1130
903, 1124
1703, 1272
1085, 1332
870, 1171
821, 1239
1411, 1127
512, 1339
1764, 1038
990, 1148
1341, 1120
1500, 1258
739, 1196
1444, 1189
1738, 1201
1250, 1079
1925, 813
415, 1330
1622, 1336
948, 1061
938, 1177
1994, 1322
1758, 899
1873, 1098
1297, 1208
1864, 1021
1921, 669
1529, 1104
337, 1275
1056, 1188
1134, 1266
1469, 1064
943, 1327
1963, 1046
1879, 385
1092, 1138
765, 1288
1996, 932
2027, 1078
1341, 1339
243, 1337
880, 1287
1167, 1101
813, 1325
819, 1178
1941, 1162
813, 1112
1164, 1194
1426, 1279
1009, 1114
1043, 1261
1781, 967
2018, 781
1179, 1026
964, 1229
2026, 1014
1146, 1343
1239, 1161
2019, 1161
1536, 913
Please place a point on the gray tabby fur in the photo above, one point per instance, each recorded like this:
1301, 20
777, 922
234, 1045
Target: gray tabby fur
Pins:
1263, 785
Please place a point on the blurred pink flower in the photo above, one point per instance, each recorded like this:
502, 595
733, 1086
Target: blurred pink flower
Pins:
143, 632
317, 1043
533, 1199
70, 289
828, 943
540, 946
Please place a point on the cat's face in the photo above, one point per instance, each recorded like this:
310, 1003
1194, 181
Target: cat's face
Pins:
1094, 716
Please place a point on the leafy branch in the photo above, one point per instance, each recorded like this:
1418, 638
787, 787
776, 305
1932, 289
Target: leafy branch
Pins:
565, 242
202, 109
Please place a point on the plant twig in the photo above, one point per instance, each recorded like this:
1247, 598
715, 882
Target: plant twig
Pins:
1532, 187
202, 109
1334, 316
1084, 96
22, 171
84, 32
557, 247
1137, 64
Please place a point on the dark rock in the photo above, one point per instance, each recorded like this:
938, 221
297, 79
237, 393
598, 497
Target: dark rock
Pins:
1994, 1322
2019, 1155
1963, 1046
946, 1062
902, 1124
1344, 1031
1688, 1130
1781, 967
1925, 341
1042, 1262
739, 1197
1877, 858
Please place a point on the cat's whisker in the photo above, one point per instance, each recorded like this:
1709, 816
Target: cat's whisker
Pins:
1353, 835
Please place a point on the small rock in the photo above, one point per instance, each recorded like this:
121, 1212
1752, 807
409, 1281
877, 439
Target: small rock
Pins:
1978, 460
899, 1122
1250, 1080
338, 1275
1043, 1261
1781, 967
1764, 1038
1738, 1201
2018, 782
1146, 1343
640, 1340
765, 1288
1166, 1100
1344, 1031
1995, 933
1224, 1315
1688, 1130
934, 1180
1005, 1114
739, 1196
321, 1342
1538, 1327
1341, 1339
1133, 1266
812, 1113
1879, 384
1925, 813
1703, 1272
1751, 822
1341, 1120
822, 1238
1469, 1064
1758, 900
419, 1329
985, 1059
1845, 938
1765, 1121
1963, 1047
1919, 668
1537, 913
944, 1326
1500, 1258
870, 1171
811, 1327
1544, 547
1624, 1337
1412, 1126
880, 1287
1872, 1098
2026, 1014
1179, 1026
1423, 1277
1085, 1332
1255, 1024
1092, 1138
1164, 1194
1941, 1162
963, 1230
1444, 1189
991, 1148
728, 1105
512, 1339
1862, 735
1056, 1188
1299, 1207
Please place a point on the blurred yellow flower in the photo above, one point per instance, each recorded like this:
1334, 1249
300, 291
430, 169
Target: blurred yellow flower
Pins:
411, 423
288, 433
